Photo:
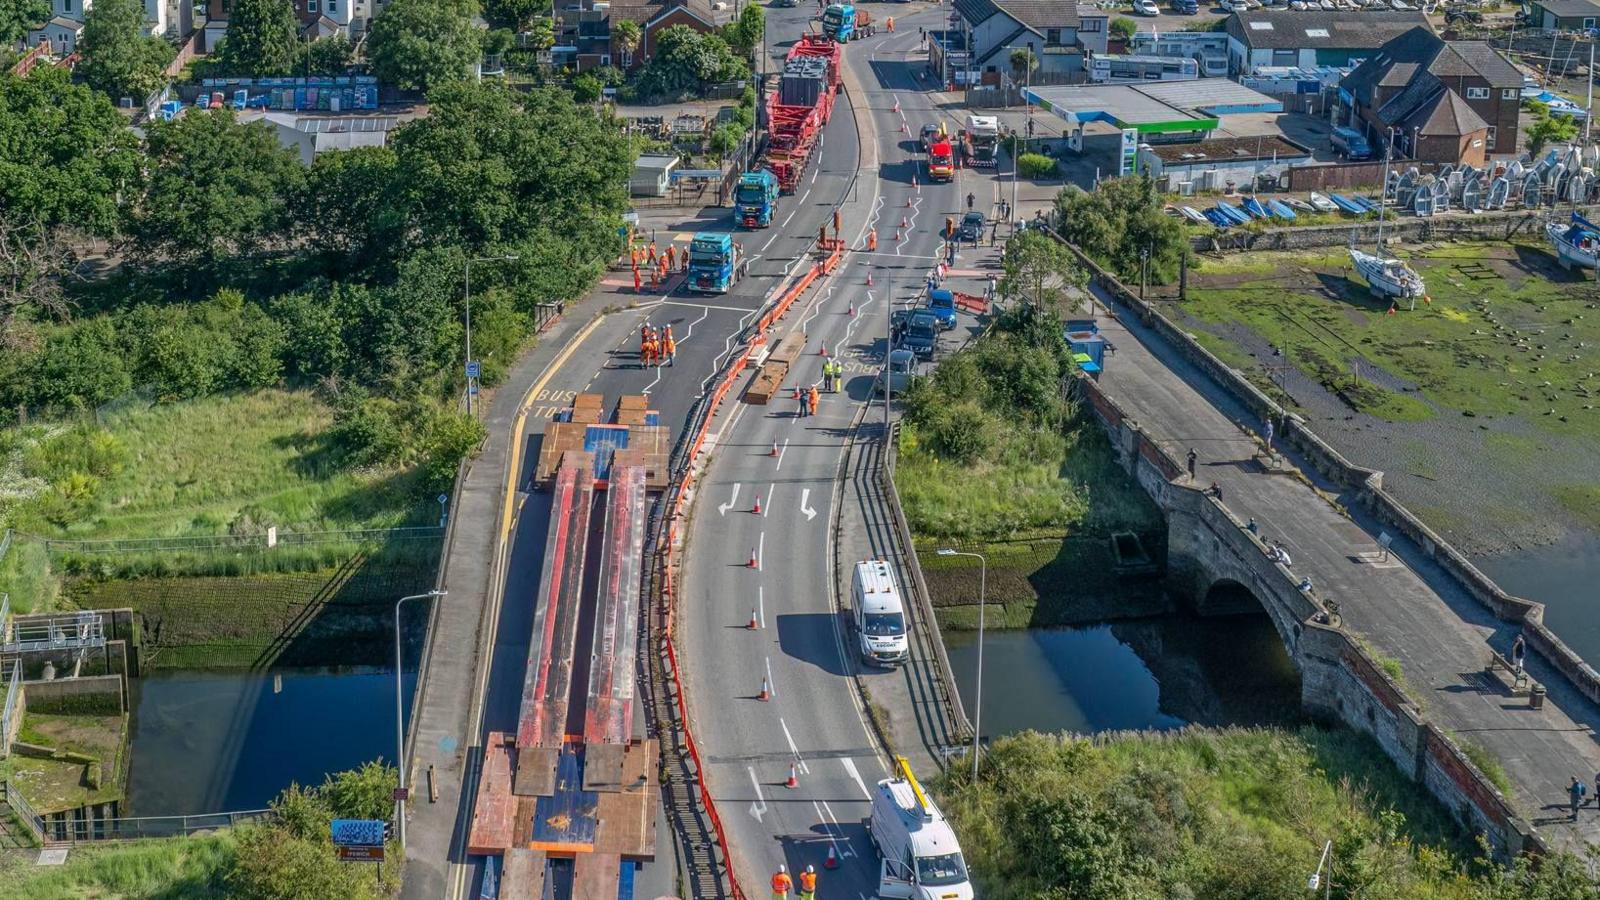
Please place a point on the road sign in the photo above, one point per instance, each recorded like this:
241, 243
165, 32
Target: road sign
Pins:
472, 368
357, 832
361, 854
402, 794
473, 389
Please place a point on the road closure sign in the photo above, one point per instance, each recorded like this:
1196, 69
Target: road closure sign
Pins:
357, 833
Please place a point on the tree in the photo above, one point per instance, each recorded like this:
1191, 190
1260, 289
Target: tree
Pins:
351, 207
1123, 28
1023, 61
329, 55
262, 39
684, 62
745, 34
1038, 270
119, 57
421, 44
513, 14
1120, 223
67, 158
18, 17
1547, 129
216, 188
627, 34
540, 35
33, 261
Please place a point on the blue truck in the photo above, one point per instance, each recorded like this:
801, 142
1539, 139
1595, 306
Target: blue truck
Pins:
842, 22
716, 263
756, 199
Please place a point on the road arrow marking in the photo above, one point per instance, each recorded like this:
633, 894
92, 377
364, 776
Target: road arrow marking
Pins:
758, 807
723, 508
805, 494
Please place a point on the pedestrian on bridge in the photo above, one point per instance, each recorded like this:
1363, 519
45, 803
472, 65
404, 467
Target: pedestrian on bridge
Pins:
872, 241
1575, 792
1191, 459
1519, 652
782, 884
971, 199
889, 24
808, 878
802, 396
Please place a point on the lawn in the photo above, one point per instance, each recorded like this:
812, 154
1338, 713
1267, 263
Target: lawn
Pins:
1507, 332
173, 869
52, 785
203, 466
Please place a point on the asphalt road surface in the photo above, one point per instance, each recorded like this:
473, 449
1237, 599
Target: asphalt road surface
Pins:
813, 719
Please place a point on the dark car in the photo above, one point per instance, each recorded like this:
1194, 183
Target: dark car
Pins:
972, 226
919, 333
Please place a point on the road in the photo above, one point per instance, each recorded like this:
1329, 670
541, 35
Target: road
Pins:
814, 719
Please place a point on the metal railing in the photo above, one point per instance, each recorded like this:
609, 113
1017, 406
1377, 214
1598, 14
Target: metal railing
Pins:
243, 542
76, 831
67, 631
13, 677
5, 544
24, 810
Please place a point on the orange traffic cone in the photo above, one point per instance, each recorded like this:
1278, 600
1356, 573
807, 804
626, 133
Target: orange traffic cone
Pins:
904, 223
832, 862
757, 507
822, 348
765, 694
869, 284
897, 106
795, 397
903, 128
752, 564
1391, 310
774, 452
852, 310
897, 234
753, 623
908, 203
913, 181
794, 777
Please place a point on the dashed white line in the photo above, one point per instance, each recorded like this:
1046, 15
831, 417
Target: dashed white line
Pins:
800, 761
767, 506
855, 775
772, 686
781, 451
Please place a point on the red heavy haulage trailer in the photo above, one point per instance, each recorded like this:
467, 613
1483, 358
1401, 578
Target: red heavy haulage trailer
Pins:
793, 128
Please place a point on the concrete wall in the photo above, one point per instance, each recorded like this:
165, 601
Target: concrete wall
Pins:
71, 695
1488, 226
1339, 678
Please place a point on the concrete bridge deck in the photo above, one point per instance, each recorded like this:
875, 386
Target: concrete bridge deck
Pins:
1404, 605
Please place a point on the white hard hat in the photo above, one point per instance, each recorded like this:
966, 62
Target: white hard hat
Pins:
782, 869
810, 869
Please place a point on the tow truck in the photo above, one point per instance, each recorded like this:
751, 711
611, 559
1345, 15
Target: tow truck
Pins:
756, 199
716, 263
941, 160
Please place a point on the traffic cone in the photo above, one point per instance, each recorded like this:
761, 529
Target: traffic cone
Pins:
753, 623
757, 507
897, 235
774, 452
869, 284
765, 694
904, 223
1391, 310
752, 564
913, 181
897, 106
832, 862
903, 128
852, 311
795, 397
822, 348
794, 777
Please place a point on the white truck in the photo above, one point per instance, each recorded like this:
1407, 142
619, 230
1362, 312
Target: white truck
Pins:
980, 140
920, 857
880, 616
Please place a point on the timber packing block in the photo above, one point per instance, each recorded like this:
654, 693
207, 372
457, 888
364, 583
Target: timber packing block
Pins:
766, 383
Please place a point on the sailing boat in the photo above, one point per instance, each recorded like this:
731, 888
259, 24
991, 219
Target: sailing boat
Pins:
1385, 275
1575, 243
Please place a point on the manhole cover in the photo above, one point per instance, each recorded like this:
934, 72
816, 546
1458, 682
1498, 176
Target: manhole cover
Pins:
53, 856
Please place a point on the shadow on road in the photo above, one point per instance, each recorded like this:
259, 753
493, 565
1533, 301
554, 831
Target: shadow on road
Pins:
809, 637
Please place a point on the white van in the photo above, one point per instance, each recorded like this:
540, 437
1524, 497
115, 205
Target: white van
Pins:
921, 859
880, 617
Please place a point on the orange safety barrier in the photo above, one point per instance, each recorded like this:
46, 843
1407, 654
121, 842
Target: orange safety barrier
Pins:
667, 587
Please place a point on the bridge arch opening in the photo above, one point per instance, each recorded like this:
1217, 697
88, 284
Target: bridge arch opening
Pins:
1226, 597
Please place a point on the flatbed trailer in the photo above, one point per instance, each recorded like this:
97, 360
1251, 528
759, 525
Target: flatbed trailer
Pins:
793, 127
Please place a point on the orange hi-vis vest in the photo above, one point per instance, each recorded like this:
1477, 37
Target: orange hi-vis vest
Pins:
781, 883
808, 882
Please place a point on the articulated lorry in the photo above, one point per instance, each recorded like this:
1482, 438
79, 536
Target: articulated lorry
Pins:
843, 22
800, 106
980, 141
921, 859
941, 160
756, 199
716, 263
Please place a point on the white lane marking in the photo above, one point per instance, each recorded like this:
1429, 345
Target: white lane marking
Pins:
805, 494
772, 686
781, 451
722, 508
767, 506
701, 306
690, 333
805, 195
786, 220
651, 386
758, 806
761, 607
761, 549
770, 240
855, 775
835, 832
800, 761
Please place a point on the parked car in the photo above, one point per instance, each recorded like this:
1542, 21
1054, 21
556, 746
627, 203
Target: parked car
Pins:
1186, 7
902, 370
1146, 8
972, 226
1350, 143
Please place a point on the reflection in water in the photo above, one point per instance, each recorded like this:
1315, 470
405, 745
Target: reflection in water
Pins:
1156, 673
1560, 576
218, 741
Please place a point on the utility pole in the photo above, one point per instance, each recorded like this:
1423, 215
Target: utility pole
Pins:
1588, 104
888, 355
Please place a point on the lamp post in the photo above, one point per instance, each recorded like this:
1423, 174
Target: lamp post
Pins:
467, 363
977, 709
1316, 880
399, 719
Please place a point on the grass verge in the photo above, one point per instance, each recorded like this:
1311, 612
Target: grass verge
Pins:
190, 868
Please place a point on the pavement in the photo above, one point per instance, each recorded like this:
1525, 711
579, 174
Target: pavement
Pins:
819, 514
473, 680
1406, 607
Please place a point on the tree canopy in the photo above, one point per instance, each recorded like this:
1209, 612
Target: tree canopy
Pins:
216, 187
683, 61
119, 57
421, 44
1119, 222
513, 14
262, 39
18, 17
745, 34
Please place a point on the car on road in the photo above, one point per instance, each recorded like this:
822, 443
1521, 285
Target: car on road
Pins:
902, 371
972, 226
1146, 8
930, 135
919, 333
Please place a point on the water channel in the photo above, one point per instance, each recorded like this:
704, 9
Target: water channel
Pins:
1561, 576
215, 741
1155, 673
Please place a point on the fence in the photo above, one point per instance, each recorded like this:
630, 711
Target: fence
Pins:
13, 686
264, 541
54, 830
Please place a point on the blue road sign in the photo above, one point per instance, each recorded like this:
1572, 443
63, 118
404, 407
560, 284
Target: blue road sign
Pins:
472, 368
357, 832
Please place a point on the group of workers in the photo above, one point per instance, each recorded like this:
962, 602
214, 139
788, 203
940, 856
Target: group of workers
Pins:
832, 382
656, 266
783, 885
656, 349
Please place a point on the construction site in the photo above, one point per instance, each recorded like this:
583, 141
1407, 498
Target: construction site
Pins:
566, 806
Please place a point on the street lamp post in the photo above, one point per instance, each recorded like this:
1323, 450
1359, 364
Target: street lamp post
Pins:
467, 363
399, 719
977, 709
1316, 880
